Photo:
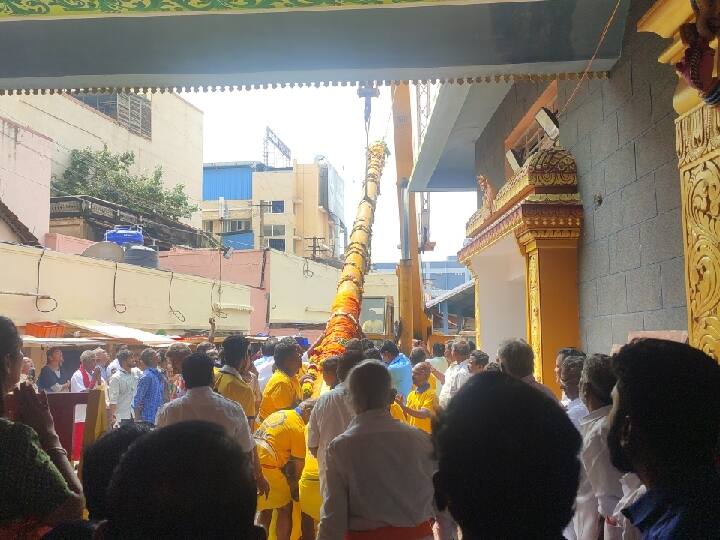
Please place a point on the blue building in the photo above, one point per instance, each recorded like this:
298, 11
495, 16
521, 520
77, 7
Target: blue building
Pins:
228, 202
232, 181
438, 276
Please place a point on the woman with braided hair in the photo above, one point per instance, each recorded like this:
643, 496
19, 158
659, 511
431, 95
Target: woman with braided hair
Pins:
38, 488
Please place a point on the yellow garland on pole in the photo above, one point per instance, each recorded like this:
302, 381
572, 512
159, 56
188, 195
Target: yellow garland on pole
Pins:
344, 322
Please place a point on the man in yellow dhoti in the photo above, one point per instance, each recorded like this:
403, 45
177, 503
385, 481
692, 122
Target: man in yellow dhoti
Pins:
310, 497
280, 442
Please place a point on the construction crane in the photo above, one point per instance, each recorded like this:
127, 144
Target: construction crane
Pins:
413, 321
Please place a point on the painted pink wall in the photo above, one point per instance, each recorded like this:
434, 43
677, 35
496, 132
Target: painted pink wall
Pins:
243, 267
67, 244
25, 161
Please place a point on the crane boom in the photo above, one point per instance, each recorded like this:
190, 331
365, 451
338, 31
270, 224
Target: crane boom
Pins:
414, 323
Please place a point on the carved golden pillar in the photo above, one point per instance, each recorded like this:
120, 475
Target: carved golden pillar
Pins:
551, 258
697, 141
541, 207
478, 328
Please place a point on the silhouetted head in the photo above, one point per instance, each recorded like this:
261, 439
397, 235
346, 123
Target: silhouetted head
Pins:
488, 461
187, 480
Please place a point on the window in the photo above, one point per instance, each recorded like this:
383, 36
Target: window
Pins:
275, 243
528, 136
274, 230
208, 226
372, 315
235, 225
277, 207
131, 111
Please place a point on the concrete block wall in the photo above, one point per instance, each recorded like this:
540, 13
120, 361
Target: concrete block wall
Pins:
490, 146
621, 132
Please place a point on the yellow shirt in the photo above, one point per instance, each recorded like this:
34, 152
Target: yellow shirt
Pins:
230, 385
281, 437
281, 392
311, 471
422, 400
397, 413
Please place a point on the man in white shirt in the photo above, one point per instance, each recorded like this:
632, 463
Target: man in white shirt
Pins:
88, 374
517, 359
84, 379
121, 389
201, 403
456, 374
562, 354
265, 365
439, 362
332, 413
600, 489
102, 359
115, 364
379, 472
569, 378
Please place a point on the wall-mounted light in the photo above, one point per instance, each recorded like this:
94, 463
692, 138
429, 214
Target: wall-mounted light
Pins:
549, 122
515, 159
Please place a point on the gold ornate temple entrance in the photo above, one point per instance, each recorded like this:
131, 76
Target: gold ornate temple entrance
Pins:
697, 131
538, 210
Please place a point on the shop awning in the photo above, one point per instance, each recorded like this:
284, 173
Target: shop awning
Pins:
462, 298
32, 341
119, 332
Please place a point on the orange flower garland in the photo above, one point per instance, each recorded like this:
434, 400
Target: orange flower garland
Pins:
344, 323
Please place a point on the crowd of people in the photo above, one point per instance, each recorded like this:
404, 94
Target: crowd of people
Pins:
372, 445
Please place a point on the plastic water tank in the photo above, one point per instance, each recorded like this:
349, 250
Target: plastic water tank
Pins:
141, 256
125, 235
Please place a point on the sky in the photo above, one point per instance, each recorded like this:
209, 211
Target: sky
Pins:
328, 122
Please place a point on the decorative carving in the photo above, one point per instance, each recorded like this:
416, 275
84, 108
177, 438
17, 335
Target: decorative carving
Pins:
701, 216
491, 233
697, 133
486, 207
573, 198
543, 220
551, 167
533, 301
525, 237
488, 194
697, 142
698, 60
80, 8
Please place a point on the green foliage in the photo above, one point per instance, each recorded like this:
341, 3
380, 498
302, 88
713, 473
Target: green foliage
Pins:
107, 176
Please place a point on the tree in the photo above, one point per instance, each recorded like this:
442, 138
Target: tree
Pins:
107, 176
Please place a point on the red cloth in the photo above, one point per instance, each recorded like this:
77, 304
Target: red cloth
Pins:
393, 533
26, 529
87, 381
77, 440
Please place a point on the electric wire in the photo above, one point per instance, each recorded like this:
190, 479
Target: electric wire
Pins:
37, 289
